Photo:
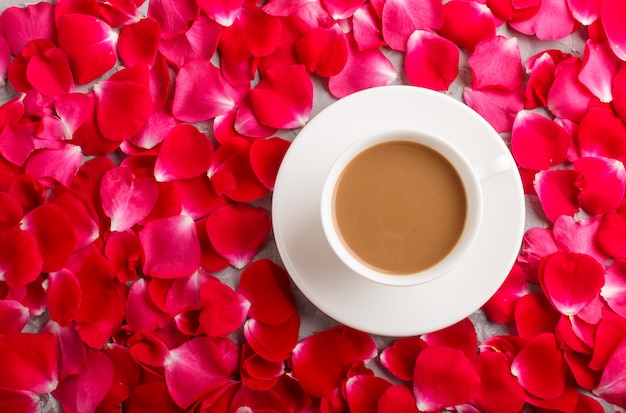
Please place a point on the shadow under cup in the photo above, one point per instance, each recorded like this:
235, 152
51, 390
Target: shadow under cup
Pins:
402, 207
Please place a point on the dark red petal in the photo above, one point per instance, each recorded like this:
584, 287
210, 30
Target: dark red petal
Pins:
401, 18
399, 358
191, 103
321, 361
557, 192
84, 391
540, 367
138, 43
49, 73
538, 142
20, 25
534, 315
173, 17
194, 368
89, 44
467, 23
237, 231
501, 306
431, 61
20, 259
126, 198
28, 362
460, 336
185, 153
602, 184
171, 247
323, 50
18, 400
150, 397
123, 250
267, 287
443, 377
148, 349
499, 389
223, 310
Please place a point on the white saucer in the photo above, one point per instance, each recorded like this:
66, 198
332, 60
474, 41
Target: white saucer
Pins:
352, 299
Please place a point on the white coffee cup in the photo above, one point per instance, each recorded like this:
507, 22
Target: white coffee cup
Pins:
471, 177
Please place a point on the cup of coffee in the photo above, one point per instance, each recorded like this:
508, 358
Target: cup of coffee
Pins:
403, 207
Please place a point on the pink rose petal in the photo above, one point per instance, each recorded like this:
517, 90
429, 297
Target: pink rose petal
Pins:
552, 21
612, 13
323, 50
585, 12
467, 23
364, 69
557, 192
572, 235
431, 60
28, 362
224, 12
619, 86
20, 259
602, 133
173, 17
247, 124
194, 368
612, 386
126, 198
191, 103
367, 28
237, 231
496, 62
199, 42
283, 98
541, 68
538, 142
171, 247
501, 306
154, 131
142, 314
5, 60
16, 142
499, 107
443, 377
602, 184
540, 367
223, 310
401, 18
20, 25
614, 289
598, 70
571, 281
568, 98
81, 212
610, 332
185, 153
138, 42
60, 165
89, 44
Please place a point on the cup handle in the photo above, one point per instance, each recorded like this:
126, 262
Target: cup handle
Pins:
494, 167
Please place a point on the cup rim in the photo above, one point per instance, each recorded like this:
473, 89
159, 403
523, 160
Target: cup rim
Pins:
473, 192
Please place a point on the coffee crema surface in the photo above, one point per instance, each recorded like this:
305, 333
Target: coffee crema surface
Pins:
400, 207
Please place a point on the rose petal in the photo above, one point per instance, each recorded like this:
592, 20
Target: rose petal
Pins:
28, 362
612, 386
224, 12
612, 12
18, 400
173, 17
431, 60
571, 235
601, 133
20, 25
247, 124
265, 158
499, 389
367, 28
64, 296
60, 165
557, 192
154, 131
598, 70
150, 397
496, 62
541, 68
199, 42
401, 18
499, 107
138, 43
89, 44
273, 342
364, 392
13, 316
123, 250
237, 231
460, 336
540, 367
614, 289
142, 314
5, 59
585, 11
568, 98
602, 184
364, 347
223, 310
49, 73
399, 358
443, 377
80, 212
571, 281
20, 258
185, 153
552, 21
535, 315
538, 142
398, 399
501, 306
198, 198
283, 98
16, 142
126, 198
191, 104
323, 50
252, 33
467, 23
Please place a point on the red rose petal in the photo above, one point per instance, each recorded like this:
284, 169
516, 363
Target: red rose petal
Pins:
5, 60
585, 11
571, 281
612, 233
534, 315
224, 12
123, 250
552, 21
619, 86
265, 158
602, 184
267, 287
154, 131
568, 98
142, 314
210, 259
601, 133
364, 347
194, 368
364, 69
18, 400
467, 23
247, 124
598, 70
171, 247
431, 60
148, 349
49, 73
366, 26
540, 367
20, 25
273, 342
53, 230
612, 12
16, 143
58, 164
198, 199
199, 42
499, 107
538, 142
364, 392
501, 306
611, 330
557, 192
173, 17
443, 377
138, 43
64, 295
252, 33
223, 310
28, 362
614, 289
401, 18
496, 62
571, 235
323, 50
397, 399
258, 373
321, 361
612, 386
399, 358
80, 212
191, 104
84, 391
237, 231
499, 389
283, 98
541, 68
150, 397
20, 259
126, 198
13, 316
460, 336
185, 153
89, 44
